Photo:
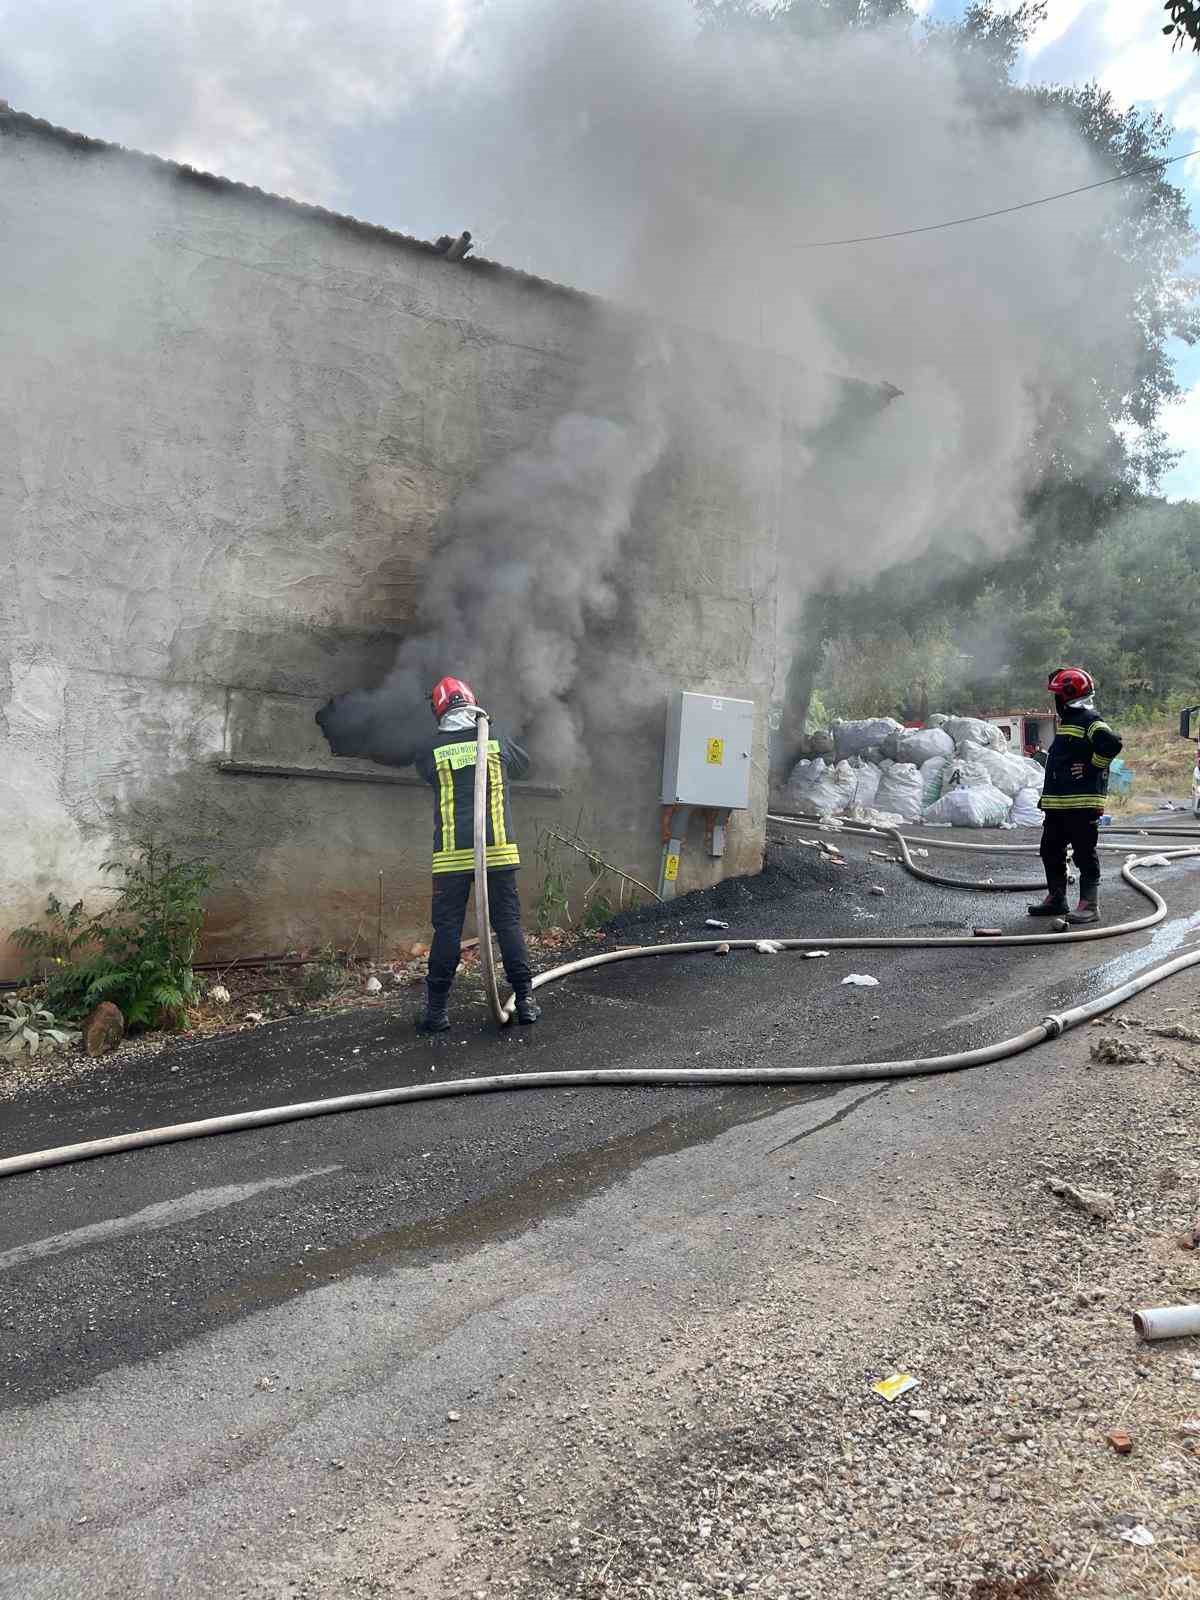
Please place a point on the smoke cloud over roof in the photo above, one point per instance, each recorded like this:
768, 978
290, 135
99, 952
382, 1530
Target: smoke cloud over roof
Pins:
683, 175
688, 174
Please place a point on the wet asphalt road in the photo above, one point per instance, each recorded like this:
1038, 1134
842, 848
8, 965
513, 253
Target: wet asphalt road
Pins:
144, 1293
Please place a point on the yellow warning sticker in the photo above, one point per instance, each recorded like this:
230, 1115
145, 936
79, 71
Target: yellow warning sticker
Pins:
671, 870
716, 752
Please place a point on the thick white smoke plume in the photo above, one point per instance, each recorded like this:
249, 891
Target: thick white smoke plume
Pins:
613, 145
524, 570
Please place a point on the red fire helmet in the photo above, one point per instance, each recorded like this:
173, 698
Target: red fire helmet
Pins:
1071, 683
449, 693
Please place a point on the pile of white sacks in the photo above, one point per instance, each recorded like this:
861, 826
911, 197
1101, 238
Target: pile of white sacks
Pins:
956, 771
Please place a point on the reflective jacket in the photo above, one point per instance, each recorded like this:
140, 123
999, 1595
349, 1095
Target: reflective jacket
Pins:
1083, 737
449, 766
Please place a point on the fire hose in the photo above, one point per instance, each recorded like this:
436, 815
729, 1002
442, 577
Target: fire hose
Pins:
1051, 1027
501, 1015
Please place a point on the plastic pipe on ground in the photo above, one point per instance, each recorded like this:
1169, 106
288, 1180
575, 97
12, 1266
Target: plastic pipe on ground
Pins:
1167, 1322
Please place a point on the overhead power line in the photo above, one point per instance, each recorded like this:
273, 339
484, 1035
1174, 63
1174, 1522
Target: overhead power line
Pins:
1002, 211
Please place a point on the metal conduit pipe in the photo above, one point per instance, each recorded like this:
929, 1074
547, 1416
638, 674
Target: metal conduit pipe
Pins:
1050, 1027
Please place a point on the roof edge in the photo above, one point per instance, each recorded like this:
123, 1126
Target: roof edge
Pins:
22, 123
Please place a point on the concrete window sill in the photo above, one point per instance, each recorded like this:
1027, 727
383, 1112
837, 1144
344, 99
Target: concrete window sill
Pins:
404, 780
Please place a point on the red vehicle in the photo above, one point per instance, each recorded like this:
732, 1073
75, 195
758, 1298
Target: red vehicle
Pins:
1026, 731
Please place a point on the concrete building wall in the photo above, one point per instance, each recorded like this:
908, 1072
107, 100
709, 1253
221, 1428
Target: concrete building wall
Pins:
228, 428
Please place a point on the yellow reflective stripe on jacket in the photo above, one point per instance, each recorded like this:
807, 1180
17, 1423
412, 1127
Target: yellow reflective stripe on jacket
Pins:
1072, 802
1100, 761
496, 787
446, 786
498, 855
1098, 727
1069, 730
449, 759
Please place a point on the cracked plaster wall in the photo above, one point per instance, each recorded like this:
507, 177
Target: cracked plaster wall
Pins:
227, 431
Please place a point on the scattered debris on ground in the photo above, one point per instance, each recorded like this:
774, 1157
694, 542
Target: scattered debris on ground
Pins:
241, 997
1044, 1451
1092, 1202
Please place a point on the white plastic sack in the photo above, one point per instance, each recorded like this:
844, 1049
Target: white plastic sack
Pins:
939, 719
984, 733
1005, 771
873, 818
1025, 813
900, 790
866, 784
852, 738
933, 775
1035, 775
971, 808
920, 745
962, 774
825, 790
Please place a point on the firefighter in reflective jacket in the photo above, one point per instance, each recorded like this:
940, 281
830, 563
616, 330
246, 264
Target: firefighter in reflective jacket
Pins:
1074, 795
449, 767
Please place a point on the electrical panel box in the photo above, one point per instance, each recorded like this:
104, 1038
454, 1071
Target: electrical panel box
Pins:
707, 757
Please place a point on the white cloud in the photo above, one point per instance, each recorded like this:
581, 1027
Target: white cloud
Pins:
1061, 15
1120, 43
255, 92
1147, 69
1182, 425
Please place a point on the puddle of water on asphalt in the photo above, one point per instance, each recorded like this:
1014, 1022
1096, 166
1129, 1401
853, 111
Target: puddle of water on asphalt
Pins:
1164, 942
559, 1186
568, 1180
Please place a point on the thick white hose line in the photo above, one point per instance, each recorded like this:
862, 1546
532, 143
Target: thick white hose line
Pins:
894, 942
1051, 1027
903, 841
926, 840
483, 920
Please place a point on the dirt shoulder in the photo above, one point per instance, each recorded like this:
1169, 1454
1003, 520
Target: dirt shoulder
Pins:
242, 999
754, 1457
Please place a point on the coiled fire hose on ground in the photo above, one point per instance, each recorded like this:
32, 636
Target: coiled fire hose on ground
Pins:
1051, 1027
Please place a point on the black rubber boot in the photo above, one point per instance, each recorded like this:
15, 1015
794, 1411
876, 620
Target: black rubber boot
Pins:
434, 1018
1085, 911
1054, 905
527, 1009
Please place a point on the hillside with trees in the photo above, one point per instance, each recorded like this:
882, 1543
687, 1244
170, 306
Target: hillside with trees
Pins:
1125, 605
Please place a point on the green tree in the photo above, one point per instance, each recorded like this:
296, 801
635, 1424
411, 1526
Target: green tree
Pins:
1184, 23
802, 18
1129, 612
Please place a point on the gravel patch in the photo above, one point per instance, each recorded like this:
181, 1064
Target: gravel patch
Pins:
759, 1460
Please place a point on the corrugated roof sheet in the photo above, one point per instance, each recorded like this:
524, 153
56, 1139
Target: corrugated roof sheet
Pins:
19, 124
